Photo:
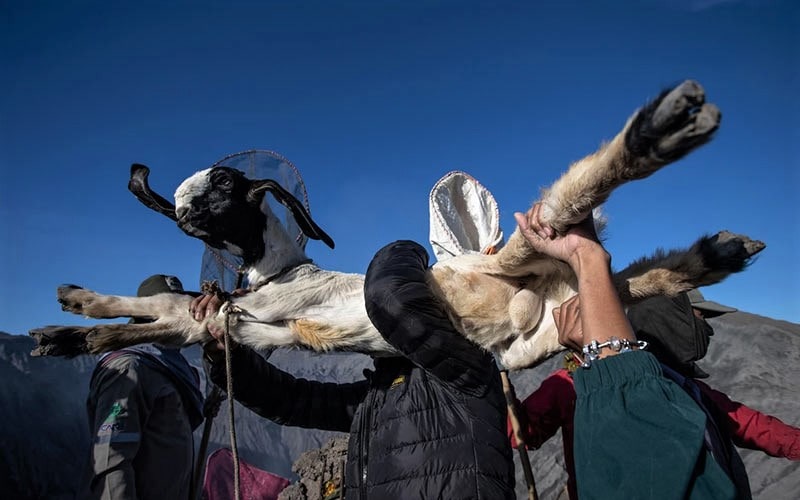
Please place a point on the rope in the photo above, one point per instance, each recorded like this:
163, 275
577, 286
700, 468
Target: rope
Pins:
231, 420
214, 399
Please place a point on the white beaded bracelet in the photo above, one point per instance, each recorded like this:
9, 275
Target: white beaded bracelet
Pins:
591, 351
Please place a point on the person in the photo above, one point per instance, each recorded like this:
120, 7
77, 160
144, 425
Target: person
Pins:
637, 434
428, 424
144, 403
678, 336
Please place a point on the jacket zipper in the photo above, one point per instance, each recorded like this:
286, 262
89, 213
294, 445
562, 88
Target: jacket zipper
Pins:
363, 459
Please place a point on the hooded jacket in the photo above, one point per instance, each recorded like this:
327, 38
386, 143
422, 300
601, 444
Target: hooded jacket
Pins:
143, 404
427, 425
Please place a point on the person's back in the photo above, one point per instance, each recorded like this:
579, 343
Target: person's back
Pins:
143, 405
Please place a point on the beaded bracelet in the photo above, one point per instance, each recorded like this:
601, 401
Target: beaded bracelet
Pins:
591, 351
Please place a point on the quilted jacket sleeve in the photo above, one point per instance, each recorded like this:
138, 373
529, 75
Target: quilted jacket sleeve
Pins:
287, 400
402, 307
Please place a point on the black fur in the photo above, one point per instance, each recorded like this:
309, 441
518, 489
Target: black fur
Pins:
673, 124
67, 341
211, 221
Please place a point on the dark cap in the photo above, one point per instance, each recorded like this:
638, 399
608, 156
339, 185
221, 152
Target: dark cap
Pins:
159, 283
709, 307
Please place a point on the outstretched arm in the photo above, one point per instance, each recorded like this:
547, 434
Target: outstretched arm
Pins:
755, 430
279, 396
408, 315
273, 393
636, 433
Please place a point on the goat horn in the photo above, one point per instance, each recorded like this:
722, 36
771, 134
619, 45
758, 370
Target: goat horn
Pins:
299, 212
141, 190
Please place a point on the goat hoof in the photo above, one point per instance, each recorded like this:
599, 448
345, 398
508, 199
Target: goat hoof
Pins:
73, 298
673, 124
729, 251
59, 341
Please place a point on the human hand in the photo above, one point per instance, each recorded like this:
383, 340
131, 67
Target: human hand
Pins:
568, 247
208, 305
568, 323
204, 306
214, 349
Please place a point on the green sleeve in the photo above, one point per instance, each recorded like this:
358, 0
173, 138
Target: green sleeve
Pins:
639, 435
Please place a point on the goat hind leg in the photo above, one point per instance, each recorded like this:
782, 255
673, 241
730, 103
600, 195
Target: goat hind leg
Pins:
709, 260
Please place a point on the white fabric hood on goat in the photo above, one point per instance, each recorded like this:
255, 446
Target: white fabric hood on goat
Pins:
464, 217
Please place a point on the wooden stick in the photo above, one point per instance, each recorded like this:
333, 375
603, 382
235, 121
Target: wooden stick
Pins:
511, 402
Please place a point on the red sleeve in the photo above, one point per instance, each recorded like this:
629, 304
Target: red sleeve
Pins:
755, 430
546, 409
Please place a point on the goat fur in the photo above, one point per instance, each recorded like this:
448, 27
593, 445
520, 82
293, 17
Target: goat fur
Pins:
502, 302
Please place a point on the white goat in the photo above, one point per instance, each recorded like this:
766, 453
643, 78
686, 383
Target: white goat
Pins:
502, 302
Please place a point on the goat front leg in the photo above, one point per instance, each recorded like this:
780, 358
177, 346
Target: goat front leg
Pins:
709, 260
70, 341
67, 341
110, 337
91, 304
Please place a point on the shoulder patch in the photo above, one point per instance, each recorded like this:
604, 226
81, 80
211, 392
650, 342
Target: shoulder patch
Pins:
116, 408
398, 381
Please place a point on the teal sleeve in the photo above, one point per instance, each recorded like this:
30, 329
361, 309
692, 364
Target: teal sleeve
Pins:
639, 435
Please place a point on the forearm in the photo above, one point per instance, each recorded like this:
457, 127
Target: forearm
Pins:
602, 314
755, 430
285, 399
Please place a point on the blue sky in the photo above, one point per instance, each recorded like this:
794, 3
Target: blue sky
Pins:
373, 102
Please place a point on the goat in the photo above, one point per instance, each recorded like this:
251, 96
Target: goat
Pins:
502, 302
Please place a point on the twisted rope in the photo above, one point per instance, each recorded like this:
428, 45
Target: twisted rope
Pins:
231, 405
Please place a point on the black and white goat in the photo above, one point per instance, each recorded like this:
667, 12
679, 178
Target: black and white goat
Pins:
502, 302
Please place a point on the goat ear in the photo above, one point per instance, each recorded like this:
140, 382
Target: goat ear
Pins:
303, 218
141, 190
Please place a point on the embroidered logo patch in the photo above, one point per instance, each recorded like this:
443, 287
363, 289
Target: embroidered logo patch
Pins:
116, 409
110, 424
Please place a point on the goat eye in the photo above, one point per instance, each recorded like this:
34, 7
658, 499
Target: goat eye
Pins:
223, 181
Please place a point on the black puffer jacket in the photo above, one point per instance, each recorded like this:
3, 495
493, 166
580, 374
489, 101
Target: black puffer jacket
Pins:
430, 425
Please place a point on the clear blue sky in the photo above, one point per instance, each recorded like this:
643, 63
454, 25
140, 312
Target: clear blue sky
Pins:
373, 101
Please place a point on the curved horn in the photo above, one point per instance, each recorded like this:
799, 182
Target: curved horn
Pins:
141, 190
303, 218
